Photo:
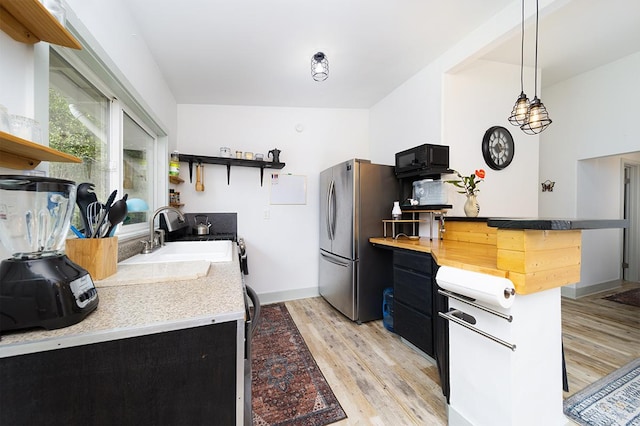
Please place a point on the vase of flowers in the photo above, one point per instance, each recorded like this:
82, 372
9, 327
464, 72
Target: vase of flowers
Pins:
471, 206
468, 186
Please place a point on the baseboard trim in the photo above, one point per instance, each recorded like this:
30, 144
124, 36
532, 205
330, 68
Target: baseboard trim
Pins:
574, 292
283, 296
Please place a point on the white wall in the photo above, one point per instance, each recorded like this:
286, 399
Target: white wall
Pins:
453, 101
598, 198
475, 99
114, 31
283, 249
455, 109
595, 115
16, 76
407, 117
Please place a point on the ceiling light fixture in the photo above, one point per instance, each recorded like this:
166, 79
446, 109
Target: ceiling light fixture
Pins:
537, 118
319, 67
521, 108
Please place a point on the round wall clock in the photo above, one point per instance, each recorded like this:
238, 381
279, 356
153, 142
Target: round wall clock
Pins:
497, 147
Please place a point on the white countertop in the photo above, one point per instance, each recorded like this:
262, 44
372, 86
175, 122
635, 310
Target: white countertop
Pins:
129, 308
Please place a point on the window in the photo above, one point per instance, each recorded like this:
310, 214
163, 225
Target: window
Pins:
118, 150
138, 155
78, 125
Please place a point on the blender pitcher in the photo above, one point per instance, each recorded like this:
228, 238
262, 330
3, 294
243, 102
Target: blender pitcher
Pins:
39, 285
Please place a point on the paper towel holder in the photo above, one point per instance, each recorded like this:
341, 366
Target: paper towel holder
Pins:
508, 292
466, 300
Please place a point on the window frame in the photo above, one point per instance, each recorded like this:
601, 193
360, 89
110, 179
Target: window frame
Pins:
114, 86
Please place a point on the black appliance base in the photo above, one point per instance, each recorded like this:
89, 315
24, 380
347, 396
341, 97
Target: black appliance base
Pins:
50, 292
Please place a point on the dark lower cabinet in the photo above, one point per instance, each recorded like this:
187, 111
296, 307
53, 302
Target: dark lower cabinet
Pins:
412, 298
414, 326
183, 377
416, 307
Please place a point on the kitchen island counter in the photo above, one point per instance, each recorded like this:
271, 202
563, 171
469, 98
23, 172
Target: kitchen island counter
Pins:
536, 254
460, 254
131, 310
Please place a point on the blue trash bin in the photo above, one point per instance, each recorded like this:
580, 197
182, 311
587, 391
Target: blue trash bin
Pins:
387, 308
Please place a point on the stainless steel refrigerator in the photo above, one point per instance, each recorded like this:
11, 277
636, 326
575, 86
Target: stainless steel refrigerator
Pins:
355, 196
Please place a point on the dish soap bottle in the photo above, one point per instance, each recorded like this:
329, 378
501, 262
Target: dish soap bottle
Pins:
396, 213
174, 164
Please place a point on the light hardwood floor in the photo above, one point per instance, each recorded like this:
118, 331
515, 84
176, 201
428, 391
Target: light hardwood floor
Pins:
381, 381
599, 336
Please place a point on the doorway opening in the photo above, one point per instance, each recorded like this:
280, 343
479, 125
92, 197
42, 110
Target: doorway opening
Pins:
631, 210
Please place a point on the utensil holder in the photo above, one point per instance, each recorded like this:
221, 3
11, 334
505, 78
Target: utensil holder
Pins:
99, 256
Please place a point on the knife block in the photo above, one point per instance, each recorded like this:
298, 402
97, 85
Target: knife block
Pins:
99, 256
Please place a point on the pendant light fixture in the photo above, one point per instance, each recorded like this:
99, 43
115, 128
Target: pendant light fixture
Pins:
521, 108
537, 118
319, 67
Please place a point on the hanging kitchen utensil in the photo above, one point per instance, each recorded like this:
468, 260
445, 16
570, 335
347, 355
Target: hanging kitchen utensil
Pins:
93, 214
103, 215
117, 214
199, 177
84, 197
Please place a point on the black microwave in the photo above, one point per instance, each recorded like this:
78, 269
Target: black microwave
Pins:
422, 160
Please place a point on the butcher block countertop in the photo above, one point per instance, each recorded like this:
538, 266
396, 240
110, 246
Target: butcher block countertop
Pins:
458, 254
535, 254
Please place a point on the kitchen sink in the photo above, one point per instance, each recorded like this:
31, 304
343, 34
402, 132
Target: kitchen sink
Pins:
182, 251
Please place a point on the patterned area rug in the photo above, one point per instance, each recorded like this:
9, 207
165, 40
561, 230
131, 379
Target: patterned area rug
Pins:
629, 297
612, 400
288, 387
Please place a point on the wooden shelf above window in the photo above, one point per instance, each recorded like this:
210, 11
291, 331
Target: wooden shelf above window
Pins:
28, 21
22, 154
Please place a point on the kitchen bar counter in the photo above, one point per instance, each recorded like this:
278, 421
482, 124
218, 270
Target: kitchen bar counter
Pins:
536, 254
458, 254
132, 310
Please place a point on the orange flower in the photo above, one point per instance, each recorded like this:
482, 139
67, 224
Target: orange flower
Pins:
480, 173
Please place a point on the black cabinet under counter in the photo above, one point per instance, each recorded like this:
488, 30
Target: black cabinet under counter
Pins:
416, 306
412, 295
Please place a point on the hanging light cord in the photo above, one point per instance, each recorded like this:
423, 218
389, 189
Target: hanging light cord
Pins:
522, 52
535, 80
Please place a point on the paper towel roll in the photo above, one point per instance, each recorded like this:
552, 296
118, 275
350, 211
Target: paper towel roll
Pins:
484, 288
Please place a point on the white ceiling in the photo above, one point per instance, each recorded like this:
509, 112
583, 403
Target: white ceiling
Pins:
575, 38
258, 52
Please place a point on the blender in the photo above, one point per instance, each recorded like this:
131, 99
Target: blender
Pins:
39, 285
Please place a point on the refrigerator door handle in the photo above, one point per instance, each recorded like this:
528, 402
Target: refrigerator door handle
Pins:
331, 210
328, 211
334, 260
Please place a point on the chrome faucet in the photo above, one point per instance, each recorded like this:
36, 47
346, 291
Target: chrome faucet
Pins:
150, 245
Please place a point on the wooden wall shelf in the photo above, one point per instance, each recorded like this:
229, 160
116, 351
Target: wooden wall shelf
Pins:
28, 21
227, 161
176, 180
18, 153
